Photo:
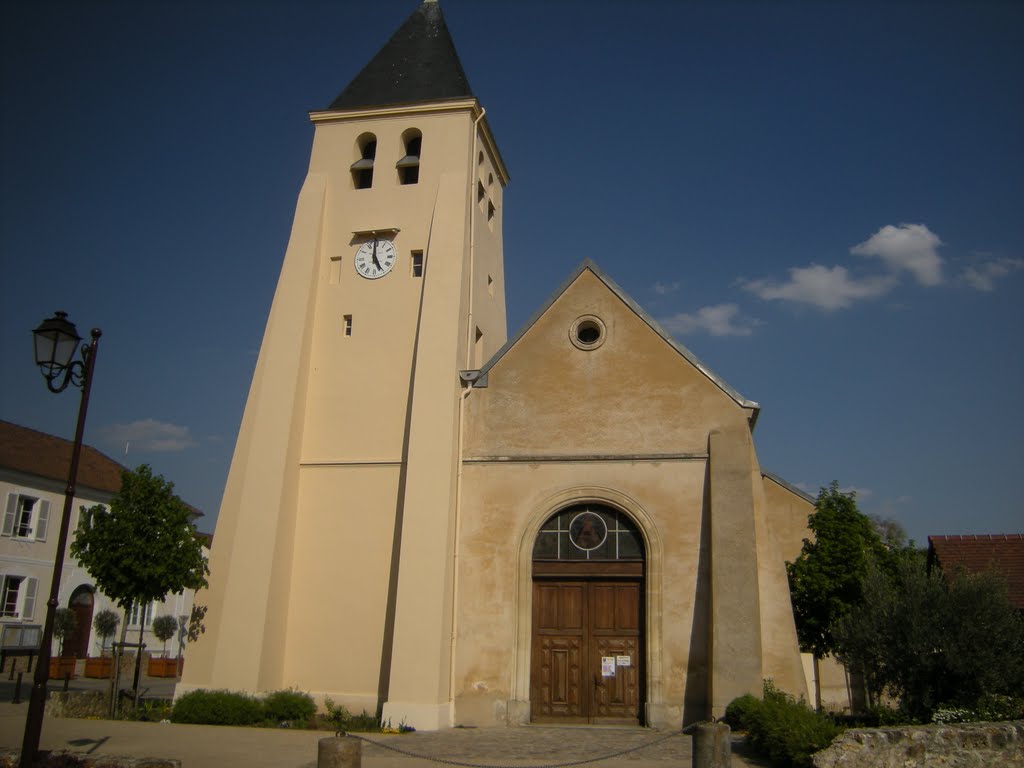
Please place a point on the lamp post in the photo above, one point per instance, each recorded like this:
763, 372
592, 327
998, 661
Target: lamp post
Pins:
55, 342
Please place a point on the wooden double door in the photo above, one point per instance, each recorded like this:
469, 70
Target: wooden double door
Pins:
587, 660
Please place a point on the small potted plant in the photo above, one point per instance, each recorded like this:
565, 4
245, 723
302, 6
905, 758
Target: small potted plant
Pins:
105, 624
164, 627
64, 623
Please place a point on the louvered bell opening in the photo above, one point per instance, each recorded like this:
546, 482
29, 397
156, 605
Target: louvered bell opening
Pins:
365, 164
409, 161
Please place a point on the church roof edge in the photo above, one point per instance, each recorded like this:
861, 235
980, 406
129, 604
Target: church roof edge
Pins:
588, 264
418, 63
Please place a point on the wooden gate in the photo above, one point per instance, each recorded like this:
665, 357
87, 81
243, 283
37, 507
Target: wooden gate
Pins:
587, 647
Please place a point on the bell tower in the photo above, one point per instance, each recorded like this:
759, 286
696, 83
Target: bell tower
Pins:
333, 560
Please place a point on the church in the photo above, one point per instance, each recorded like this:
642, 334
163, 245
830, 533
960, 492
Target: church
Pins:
428, 519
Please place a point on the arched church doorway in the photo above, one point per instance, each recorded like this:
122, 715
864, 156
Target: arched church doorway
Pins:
81, 604
587, 659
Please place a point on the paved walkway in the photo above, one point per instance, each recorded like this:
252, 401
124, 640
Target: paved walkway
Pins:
205, 746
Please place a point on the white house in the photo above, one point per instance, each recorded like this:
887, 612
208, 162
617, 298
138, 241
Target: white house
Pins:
33, 477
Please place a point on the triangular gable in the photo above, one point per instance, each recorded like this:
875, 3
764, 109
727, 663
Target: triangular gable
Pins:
480, 380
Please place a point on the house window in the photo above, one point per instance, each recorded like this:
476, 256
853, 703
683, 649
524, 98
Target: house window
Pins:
417, 263
362, 169
409, 165
143, 611
17, 597
26, 517
348, 325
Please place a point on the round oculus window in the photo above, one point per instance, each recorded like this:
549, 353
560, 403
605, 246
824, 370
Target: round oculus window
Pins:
587, 332
587, 531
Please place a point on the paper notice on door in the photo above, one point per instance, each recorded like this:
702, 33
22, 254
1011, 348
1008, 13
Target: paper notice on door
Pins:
607, 666
623, 661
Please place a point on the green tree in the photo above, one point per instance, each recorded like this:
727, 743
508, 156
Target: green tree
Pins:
931, 639
164, 628
105, 623
64, 623
143, 546
825, 579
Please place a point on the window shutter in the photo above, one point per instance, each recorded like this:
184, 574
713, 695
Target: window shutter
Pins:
12, 510
42, 520
29, 606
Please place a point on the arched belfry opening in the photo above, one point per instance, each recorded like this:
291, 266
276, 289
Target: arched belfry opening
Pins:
588, 644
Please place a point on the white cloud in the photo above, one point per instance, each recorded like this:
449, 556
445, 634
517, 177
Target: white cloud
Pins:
860, 493
662, 289
908, 247
149, 435
983, 276
825, 287
719, 320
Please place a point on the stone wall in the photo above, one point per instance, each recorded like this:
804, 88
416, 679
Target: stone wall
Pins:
969, 745
10, 758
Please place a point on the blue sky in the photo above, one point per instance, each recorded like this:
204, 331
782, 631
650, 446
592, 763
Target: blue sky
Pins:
824, 201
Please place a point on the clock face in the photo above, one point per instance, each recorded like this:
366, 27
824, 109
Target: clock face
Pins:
375, 258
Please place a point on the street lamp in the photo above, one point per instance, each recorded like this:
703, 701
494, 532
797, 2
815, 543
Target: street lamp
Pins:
56, 341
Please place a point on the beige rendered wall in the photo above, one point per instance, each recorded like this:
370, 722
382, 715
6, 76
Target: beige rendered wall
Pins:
777, 527
348, 445
557, 424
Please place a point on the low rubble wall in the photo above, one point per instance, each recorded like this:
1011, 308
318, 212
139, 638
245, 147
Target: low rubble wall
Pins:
967, 745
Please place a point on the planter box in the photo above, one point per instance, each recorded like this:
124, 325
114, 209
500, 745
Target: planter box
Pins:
164, 667
61, 667
101, 667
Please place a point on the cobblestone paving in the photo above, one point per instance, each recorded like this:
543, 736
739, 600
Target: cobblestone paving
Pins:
535, 744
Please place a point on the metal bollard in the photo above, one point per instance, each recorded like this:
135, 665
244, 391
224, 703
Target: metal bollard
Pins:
712, 745
340, 752
17, 691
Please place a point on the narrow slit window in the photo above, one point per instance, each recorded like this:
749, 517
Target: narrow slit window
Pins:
347, 325
490, 210
490, 285
478, 349
417, 263
362, 169
409, 165
481, 193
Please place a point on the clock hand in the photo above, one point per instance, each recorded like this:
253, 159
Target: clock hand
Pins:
375, 262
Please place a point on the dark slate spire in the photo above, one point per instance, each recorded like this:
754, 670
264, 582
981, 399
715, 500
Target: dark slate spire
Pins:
418, 63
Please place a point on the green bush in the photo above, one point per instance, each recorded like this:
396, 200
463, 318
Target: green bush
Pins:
339, 718
217, 708
740, 710
991, 708
784, 730
289, 706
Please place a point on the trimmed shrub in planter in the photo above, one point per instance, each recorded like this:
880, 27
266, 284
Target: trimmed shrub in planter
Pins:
99, 667
62, 666
162, 667
217, 708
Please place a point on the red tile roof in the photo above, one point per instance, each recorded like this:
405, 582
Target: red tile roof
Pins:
37, 453
979, 553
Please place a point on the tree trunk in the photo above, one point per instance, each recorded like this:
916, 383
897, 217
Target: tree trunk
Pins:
138, 653
817, 683
115, 679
